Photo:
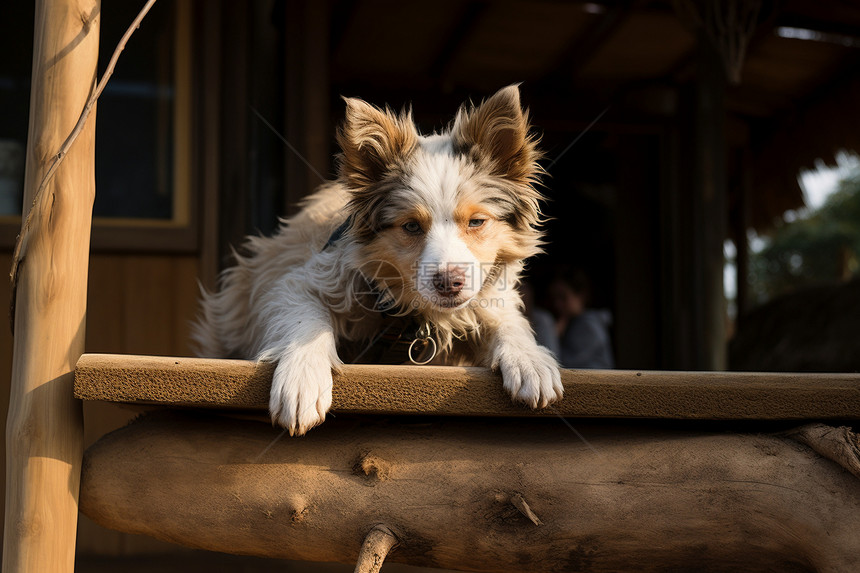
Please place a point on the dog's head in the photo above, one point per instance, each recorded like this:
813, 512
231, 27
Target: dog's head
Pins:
443, 212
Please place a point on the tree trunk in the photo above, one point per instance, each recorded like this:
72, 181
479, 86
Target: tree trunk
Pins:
44, 429
482, 495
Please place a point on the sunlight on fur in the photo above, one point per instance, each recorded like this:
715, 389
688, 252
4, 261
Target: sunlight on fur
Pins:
416, 232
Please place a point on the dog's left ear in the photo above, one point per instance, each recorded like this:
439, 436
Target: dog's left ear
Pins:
373, 141
498, 131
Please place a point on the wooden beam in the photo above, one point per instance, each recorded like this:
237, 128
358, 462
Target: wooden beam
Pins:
307, 151
700, 217
234, 218
686, 65
709, 207
208, 133
637, 261
44, 427
584, 46
342, 17
826, 22
442, 390
465, 25
742, 221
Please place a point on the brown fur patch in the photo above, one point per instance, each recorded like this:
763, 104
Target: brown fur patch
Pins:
399, 252
373, 141
417, 213
483, 240
510, 229
467, 210
375, 145
497, 133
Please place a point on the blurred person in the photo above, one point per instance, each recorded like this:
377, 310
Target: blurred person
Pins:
541, 320
583, 333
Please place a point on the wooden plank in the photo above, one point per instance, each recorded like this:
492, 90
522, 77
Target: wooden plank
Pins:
443, 390
44, 428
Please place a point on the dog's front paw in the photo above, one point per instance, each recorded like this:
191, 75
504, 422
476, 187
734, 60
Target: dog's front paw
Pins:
530, 375
301, 392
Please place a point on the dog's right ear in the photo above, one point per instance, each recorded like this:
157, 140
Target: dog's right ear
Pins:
497, 131
373, 141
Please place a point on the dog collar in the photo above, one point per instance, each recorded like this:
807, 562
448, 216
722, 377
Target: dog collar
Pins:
404, 338
339, 232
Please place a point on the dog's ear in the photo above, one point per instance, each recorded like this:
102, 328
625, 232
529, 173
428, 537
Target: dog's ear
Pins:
497, 131
373, 141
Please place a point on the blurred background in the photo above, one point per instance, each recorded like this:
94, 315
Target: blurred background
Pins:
701, 158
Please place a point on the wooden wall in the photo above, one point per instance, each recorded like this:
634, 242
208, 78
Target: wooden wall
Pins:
136, 304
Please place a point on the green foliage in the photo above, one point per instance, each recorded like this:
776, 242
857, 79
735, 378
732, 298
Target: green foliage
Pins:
822, 246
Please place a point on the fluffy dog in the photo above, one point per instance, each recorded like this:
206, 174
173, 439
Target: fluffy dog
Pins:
421, 239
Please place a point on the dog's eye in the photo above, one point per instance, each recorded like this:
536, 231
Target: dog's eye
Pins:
411, 227
475, 223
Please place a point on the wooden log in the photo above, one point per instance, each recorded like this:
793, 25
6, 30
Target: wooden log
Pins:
44, 428
454, 493
458, 391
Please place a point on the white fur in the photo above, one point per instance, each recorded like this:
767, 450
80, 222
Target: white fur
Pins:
446, 252
290, 300
529, 372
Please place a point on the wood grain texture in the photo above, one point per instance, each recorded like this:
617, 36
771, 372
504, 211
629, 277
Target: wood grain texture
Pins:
440, 390
633, 499
44, 428
133, 320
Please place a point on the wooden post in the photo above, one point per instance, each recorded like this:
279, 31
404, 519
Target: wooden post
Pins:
44, 429
701, 224
742, 223
709, 207
307, 100
208, 134
636, 262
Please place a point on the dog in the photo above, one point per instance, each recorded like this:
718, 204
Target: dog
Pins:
418, 243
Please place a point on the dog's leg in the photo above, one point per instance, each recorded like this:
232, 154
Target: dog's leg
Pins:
529, 371
300, 337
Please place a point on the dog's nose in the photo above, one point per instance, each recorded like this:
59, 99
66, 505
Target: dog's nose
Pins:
449, 283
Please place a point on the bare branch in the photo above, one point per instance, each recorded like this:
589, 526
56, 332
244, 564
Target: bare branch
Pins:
379, 541
840, 445
523, 507
20, 245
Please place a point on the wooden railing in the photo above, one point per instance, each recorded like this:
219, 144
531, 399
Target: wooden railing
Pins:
441, 390
483, 484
